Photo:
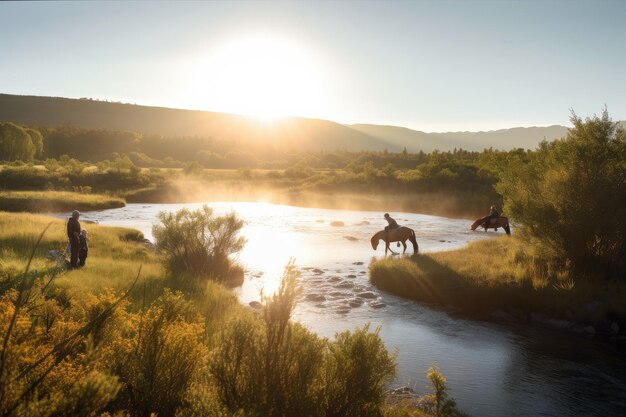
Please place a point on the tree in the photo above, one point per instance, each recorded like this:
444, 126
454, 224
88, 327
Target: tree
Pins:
569, 196
18, 143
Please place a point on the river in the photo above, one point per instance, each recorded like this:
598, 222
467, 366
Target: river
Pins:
491, 369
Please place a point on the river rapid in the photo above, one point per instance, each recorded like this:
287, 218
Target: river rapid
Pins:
491, 369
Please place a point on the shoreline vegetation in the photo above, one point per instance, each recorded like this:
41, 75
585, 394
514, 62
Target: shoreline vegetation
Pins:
56, 201
90, 341
492, 280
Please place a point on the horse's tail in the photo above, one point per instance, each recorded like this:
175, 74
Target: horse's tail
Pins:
414, 242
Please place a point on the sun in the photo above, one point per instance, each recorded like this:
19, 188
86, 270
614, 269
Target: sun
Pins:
264, 76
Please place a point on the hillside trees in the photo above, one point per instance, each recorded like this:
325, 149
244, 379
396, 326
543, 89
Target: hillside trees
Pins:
18, 143
570, 195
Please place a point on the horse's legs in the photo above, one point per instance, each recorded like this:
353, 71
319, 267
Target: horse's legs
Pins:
404, 244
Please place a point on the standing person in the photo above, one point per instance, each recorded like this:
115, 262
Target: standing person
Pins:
73, 234
392, 225
84, 248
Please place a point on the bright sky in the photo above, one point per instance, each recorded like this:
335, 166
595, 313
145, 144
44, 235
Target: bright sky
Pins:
426, 65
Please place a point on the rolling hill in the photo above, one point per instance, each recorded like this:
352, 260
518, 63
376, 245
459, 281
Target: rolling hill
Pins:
294, 133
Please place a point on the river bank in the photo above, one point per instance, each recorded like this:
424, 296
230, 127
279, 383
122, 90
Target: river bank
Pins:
56, 201
486, 280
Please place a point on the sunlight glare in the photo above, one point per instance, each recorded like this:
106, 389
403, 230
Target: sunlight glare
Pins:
262, 76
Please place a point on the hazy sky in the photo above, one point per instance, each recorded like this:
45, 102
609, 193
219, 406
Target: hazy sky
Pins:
427, 65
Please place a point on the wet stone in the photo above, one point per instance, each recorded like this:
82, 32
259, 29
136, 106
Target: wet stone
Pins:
255, 304
334, 278
357, 263
318, 271
337, 294
342, 311
351, 238
345, 285
337, 223
378, 305
351, 276
315, 297
367, 294
355, 302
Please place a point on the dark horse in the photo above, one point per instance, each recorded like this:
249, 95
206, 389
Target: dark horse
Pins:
401, 234
488, 223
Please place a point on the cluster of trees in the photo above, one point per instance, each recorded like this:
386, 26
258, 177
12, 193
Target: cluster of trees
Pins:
18, 143
569, 195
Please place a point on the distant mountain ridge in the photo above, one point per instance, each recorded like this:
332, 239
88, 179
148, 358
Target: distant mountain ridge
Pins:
293, 133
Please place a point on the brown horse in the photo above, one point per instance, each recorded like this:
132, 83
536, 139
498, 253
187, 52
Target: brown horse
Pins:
401, 234
488, 223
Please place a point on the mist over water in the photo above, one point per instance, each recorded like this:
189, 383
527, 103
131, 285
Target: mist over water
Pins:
492, 370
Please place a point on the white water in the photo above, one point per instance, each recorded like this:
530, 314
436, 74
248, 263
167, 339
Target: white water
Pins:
491, 370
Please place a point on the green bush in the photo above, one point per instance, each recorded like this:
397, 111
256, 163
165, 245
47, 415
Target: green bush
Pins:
197, 243
570, 194
358, 367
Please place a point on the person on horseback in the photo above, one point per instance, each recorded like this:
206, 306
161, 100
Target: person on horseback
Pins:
392, 224
493, 214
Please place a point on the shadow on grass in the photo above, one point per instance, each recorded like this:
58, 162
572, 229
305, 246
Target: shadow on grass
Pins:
422, 278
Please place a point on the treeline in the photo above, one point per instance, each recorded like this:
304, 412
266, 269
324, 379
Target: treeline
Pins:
96, 145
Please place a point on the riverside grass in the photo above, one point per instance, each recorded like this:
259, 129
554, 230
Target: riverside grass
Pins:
113, 261
498, 274
56, 201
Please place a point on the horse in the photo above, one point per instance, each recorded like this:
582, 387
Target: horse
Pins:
488, 223
400, 234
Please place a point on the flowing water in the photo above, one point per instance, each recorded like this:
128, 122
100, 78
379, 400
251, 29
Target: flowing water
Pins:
492, 370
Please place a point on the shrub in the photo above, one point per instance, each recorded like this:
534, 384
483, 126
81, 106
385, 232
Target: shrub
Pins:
569, 196
197, 243
358, 367
165, 357
268, 366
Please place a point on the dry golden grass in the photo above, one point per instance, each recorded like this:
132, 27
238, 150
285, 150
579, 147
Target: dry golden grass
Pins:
113, 261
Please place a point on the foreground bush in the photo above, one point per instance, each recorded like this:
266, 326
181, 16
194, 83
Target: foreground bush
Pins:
198, 243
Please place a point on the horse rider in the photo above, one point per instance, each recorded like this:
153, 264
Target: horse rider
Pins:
493, 213
392, 225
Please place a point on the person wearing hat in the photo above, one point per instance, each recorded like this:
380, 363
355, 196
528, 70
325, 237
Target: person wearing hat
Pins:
73, 234
392, 224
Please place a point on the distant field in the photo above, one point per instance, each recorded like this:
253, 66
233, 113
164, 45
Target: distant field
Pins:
54, 201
